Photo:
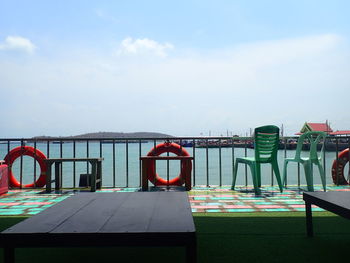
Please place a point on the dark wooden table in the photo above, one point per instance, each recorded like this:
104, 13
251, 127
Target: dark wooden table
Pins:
336, 202
96, 172
108, 219
146, 160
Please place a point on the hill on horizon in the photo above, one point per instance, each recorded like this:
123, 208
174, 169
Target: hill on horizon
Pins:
114, 135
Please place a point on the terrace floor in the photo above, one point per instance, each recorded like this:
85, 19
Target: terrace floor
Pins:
203, 199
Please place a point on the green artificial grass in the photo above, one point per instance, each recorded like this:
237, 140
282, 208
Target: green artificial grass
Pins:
224, 237
271, 237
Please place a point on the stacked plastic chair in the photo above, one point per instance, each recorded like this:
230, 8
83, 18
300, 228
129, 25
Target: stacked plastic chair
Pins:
266, 141
314, 139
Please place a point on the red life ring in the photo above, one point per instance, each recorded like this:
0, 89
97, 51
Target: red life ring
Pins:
173, 148
338, 168
30, 151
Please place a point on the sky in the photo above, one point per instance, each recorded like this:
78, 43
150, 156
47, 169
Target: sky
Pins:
185, 68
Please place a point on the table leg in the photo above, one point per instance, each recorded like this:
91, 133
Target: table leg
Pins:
144, 175
48, 177
93, 176
58, 175
9, 255
187, 163
99, 175
191, 252
309, 227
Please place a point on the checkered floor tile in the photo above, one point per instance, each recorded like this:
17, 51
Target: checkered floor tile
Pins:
202, 199
243, 199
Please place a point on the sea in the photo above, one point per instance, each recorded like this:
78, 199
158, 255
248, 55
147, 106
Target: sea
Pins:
121, 164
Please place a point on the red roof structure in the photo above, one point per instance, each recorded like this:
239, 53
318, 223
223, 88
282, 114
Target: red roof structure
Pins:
340, 133
312, 126
319, 127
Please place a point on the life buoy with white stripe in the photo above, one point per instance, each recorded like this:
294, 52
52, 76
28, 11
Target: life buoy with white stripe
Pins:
186, 167
338, 168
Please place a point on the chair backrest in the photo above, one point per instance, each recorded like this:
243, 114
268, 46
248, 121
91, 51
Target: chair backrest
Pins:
266, 140
314, 138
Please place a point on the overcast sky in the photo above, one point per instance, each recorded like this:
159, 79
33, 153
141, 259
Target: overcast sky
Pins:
178, 67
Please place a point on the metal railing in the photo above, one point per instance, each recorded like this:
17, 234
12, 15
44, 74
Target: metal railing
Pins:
213, 163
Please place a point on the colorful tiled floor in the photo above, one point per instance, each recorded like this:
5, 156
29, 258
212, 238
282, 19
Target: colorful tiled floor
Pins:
203, 199
243, 199
27, 202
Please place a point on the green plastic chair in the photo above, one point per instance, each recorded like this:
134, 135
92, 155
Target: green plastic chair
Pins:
266, 140
314, 138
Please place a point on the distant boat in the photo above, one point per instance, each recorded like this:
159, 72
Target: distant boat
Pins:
187, 144
184, 143
59, 142
122, 141
329, 146
224, 144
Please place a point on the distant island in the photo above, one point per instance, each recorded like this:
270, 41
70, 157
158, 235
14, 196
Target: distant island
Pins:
110, 135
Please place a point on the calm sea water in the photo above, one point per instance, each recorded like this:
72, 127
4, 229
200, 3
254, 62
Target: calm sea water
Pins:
116, 175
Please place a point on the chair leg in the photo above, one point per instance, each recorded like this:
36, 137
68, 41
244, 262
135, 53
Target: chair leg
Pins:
309, 176
323, 176
285, 173
258, 173
277, 174
234, 176
255, 178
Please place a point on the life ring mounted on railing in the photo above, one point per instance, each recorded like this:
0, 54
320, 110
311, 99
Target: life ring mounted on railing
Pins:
338, 168
186, 167
29, 151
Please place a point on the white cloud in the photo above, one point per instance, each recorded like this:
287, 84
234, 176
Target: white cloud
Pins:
286, 81
18, 43
143, 46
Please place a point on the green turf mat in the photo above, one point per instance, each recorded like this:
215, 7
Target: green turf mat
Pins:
224, 237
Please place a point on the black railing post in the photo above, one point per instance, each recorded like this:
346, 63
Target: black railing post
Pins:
21, 166
114, 166
74, 167
324, 159
87, 155
245, 166
9, 167
140, 165
220, 164
233, 157
337, 158
194, 162
61, 170
34, 163
207, 161
127, 162
48, 149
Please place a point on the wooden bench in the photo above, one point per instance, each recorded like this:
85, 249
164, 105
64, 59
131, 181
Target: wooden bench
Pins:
96, 172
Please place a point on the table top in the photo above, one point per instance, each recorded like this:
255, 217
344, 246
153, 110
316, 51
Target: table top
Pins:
119, 213
338, 198
51, 160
